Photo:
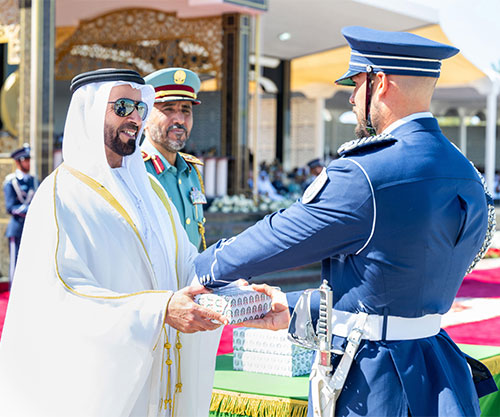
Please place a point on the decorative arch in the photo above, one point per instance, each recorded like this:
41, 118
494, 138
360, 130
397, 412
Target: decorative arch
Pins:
144, 40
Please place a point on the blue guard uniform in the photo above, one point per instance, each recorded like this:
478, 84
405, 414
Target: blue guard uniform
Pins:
19, 188
183, 180
396, 220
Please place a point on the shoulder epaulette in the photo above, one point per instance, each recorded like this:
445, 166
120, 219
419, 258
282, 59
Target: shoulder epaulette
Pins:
145, 156
155, 160
190, 158
9, 178
366, 142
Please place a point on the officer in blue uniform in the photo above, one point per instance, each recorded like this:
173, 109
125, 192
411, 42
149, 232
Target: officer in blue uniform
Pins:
19, 188
167, 131
315, 167
397, 221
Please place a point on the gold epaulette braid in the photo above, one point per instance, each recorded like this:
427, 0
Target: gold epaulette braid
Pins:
200, 178
201, 226
201, 230
492, 224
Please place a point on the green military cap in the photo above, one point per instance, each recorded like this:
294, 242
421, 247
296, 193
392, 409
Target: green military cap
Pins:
173, 84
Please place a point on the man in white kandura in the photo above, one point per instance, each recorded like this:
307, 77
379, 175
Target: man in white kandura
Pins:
101, 305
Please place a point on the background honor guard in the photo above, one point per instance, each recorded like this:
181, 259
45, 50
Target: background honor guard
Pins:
397, 221
315, 167
19, 188
167, 132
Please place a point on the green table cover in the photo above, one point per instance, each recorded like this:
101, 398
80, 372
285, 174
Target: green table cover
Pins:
490, 356
238, 393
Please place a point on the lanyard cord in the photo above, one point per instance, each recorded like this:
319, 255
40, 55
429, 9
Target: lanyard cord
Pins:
369, 127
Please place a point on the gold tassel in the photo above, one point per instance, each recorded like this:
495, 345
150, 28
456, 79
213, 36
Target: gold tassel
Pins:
178, 383
167, 403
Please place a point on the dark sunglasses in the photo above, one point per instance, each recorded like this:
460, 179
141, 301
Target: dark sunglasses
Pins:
125, 106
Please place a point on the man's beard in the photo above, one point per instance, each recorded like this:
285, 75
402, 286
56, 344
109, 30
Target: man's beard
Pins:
112, 140
361, 129
166, 142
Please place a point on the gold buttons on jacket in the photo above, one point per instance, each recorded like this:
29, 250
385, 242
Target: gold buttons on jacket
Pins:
188, 220
180, 181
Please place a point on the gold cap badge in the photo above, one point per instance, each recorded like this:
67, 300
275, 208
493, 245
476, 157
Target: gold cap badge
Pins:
179, 77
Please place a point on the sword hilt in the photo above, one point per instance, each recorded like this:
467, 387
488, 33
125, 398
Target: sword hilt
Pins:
324, 324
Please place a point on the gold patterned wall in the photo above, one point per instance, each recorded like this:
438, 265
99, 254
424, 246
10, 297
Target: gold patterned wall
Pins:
9, 29
141, 39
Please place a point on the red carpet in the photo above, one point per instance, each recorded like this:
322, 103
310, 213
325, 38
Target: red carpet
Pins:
4, 298
484, 332
226, 341
482, 283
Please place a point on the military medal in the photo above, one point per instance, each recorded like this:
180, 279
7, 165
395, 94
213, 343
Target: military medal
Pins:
197, 197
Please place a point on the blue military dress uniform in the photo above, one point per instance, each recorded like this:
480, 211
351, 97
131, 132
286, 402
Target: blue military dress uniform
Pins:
396, 221
19, 189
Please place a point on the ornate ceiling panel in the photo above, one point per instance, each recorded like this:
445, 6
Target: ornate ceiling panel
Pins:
144, 40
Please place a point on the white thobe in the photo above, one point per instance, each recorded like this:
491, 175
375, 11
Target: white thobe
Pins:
85, 337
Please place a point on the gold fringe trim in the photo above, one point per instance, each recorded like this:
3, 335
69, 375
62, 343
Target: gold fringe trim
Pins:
493, 364
256, 405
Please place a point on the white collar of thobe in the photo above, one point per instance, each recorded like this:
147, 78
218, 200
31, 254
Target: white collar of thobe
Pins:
406, 119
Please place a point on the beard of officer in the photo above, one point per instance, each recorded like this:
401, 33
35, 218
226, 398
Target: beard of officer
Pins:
170, 125
393, 97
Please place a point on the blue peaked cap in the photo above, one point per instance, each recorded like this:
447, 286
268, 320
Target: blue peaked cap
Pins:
23, 152
400, 53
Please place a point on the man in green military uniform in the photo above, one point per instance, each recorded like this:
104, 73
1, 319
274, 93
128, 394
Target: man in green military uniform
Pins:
167, 131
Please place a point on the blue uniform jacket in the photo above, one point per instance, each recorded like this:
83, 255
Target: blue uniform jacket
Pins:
396, 224
14, 206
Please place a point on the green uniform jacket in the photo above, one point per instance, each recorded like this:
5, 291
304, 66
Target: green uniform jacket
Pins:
184, 186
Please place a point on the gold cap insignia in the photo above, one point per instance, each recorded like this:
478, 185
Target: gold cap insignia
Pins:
179, 77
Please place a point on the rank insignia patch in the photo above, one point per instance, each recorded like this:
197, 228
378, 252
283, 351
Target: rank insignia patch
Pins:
315, 187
